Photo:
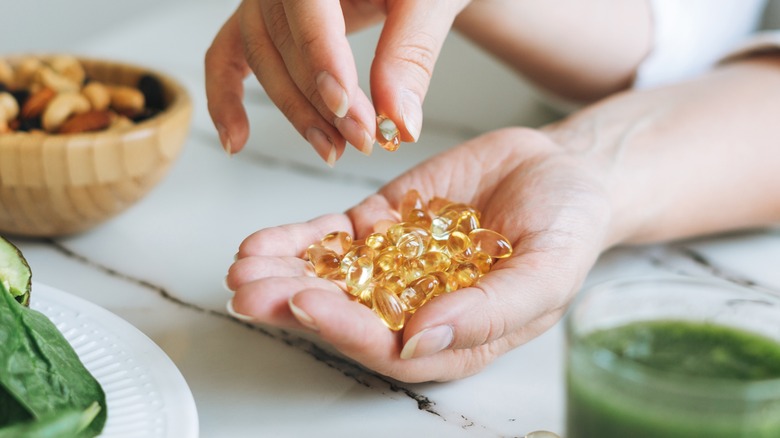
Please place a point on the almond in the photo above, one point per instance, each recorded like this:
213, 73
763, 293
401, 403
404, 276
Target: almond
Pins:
37, 103
94, 120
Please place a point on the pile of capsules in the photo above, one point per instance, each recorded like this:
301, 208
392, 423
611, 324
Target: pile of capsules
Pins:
435, 249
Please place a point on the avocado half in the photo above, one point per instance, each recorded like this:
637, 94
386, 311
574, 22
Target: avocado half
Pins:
15, 273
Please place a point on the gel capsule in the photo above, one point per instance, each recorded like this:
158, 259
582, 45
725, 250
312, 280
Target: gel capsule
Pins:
459, 247
325, 261
355, 253
444, 224
483, 261
412, 269
466, 275
378, 241
359, 275
419, 292
389, 259
389, 307
434, 261
490, 242
338, 241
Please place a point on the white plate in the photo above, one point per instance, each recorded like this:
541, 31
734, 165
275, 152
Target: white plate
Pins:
146, 394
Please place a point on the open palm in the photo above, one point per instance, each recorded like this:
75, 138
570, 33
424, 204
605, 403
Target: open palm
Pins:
551, 206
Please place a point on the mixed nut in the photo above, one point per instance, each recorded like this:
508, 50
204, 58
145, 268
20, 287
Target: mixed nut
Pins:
55, 95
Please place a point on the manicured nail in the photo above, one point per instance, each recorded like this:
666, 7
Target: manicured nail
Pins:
333, 94
354, 134
225, 285
428, 342
239, 316
302, 316
322, 144
411, 113
224, 139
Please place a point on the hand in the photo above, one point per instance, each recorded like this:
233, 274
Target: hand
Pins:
547, 202
300, 54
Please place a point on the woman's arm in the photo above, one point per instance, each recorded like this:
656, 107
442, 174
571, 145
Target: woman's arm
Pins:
697, 157
579, 50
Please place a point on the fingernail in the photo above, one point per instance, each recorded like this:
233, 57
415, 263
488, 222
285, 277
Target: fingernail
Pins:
387, 133
224, 139
331, 160
411, 113
240, 316
302, 316
428, 342
225, 285
322, 144
354, 134
333, 94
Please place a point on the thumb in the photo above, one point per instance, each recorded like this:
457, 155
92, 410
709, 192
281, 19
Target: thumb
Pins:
408, 48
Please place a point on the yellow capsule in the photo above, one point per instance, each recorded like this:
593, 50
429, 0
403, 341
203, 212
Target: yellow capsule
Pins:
365, 296
355, 253
467, 222
442, 225
419, 218
419, 292
412, 269
442, 278
359, 275
459, 247
325, 261
338, 241
410, 201
434, 261
391, 281
491, 242
389, 259
409, 239
460, 208
483, 261
451, 282
466, 275
413, 244
389, 307
378, 241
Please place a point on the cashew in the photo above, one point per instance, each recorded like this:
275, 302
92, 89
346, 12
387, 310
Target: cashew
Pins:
26, 72
6, 73
61, 107
10, 106
127, 99
57, 82
97, 94
69, 67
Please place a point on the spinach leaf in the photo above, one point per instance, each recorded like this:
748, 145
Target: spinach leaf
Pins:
40, 371
67, 423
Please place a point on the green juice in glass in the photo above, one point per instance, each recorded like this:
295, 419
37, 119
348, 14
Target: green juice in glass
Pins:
673, 369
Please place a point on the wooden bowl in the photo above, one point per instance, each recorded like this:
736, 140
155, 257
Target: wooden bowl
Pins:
60, 184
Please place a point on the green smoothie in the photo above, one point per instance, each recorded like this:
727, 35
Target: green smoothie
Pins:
673, 379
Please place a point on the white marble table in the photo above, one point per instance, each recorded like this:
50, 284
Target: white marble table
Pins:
160, 265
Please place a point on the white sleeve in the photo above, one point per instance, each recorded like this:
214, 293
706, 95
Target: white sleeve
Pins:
691, 36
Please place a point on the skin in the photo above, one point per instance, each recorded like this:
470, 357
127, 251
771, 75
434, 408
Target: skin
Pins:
678, 161
562, 195
288, 45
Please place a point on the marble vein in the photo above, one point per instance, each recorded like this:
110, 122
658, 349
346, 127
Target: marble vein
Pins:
346, 367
